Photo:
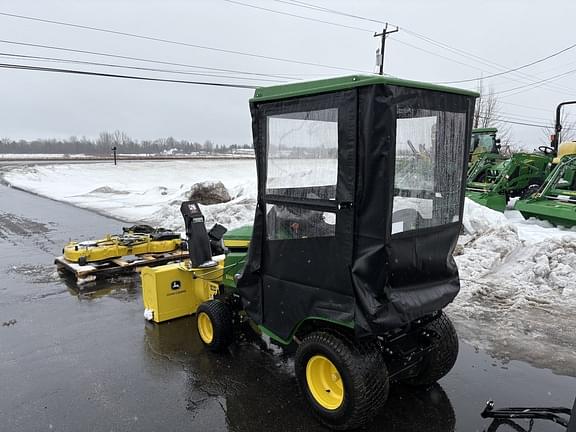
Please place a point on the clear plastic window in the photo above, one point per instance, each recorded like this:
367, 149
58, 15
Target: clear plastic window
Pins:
286, 222
428, 168
303, 154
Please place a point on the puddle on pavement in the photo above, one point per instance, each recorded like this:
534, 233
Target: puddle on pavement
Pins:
14, 225
123, 288
35, 273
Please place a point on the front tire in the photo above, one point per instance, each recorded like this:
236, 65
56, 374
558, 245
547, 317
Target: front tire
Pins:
443, 354
345, 383
214, 322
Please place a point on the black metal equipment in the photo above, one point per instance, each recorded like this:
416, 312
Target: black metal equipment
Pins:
216, 234
198, 240
555, 141
506, 416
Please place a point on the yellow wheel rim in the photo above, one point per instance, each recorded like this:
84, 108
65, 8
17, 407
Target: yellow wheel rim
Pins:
205, 328
324, 382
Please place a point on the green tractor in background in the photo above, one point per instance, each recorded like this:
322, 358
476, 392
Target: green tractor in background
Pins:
483, 142
494, 179
555, 201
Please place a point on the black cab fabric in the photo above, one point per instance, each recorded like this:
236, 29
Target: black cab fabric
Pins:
360, 200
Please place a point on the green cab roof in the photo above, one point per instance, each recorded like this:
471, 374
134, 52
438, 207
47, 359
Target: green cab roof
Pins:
303, 88
484, 130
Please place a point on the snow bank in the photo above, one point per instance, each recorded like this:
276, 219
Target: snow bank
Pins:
518, 294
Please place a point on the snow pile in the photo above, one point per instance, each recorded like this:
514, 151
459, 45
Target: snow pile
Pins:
518, 287
495, 254
478, 219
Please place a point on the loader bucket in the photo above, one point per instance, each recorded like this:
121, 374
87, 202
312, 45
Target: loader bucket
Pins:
558, 212
556, 199
491, 200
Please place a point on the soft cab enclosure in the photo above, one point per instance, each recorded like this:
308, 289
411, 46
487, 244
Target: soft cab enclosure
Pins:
361, 185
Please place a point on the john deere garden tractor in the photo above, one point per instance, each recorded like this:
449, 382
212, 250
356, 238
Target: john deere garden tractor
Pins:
349, 257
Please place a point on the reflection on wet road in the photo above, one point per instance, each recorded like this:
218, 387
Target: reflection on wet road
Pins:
73, 361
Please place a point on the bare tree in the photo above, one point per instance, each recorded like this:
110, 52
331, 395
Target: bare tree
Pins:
568, 132
120, 138
487, 114
105, 139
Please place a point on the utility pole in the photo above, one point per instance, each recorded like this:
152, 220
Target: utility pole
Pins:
380, 59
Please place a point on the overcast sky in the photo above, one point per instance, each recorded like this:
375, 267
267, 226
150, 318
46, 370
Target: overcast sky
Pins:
42, 104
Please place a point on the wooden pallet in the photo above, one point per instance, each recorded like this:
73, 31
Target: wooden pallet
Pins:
117, 266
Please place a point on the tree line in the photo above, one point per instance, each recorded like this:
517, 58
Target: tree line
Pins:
124, 144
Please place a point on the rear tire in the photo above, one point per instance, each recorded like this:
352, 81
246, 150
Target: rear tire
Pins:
214, 321
345, 383
441, 358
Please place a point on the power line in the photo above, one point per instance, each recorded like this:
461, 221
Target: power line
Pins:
432, 53
298, 16
500, 119
474, 57
140, 59
525, 106
434, 42
514, 69
131, 77
324, 9
173, 42
61, 60
537, 82
516, 122
522, 117
308, 6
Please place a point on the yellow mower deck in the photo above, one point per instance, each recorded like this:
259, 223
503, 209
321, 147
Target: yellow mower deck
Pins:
137, 246
116, 246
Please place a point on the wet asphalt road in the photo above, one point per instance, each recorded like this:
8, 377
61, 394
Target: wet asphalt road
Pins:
89, 362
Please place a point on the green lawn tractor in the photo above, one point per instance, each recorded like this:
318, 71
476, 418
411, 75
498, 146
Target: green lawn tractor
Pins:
350, 253
494, 179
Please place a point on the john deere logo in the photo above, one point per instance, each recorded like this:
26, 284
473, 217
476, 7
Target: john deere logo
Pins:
175, 285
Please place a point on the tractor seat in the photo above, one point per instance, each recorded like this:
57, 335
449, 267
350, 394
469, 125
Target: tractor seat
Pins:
406, 219
566, 148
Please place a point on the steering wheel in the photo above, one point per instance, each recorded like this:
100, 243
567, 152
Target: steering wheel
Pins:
546, 150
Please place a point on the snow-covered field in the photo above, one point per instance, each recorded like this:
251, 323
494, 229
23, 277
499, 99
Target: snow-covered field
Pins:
518, 296
147, 192
39, 156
